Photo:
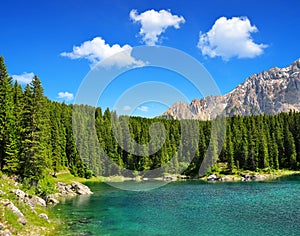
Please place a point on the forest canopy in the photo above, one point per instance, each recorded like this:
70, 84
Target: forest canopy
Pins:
37, 137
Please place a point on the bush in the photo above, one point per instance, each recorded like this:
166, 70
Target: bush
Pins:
88, 174
46, 186
27, 186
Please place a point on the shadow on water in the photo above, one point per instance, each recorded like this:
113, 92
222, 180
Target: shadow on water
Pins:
295, 177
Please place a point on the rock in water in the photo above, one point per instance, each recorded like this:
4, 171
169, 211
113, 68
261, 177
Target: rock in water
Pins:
212, 177
81, 189
52, 198
65, 189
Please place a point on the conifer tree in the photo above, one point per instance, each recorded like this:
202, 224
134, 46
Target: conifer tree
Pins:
8, 143
289, 148
35, 138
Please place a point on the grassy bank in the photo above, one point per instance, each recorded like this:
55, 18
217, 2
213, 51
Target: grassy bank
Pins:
67, 178
35, 225
220, 171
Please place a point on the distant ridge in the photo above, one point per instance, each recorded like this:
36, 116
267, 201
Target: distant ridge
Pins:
268, 92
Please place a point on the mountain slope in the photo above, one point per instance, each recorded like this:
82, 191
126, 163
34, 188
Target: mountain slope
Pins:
269, 92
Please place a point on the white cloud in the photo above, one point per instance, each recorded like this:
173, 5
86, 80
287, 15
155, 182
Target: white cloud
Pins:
97, 49
230, 38
155, 23
24, 78
66, 95
143, 108
126, 108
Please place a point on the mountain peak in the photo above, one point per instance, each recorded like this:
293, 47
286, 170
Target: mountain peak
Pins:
269, 92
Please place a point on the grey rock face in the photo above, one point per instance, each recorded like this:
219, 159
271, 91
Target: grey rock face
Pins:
269, 92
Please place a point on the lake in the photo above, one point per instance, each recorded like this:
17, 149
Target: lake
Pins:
187, 208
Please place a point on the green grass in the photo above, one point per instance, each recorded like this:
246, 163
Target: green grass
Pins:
67, 178
34, 225
221, 170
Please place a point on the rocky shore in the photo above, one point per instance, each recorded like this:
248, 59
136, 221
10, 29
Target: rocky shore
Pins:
245, 177
16, 196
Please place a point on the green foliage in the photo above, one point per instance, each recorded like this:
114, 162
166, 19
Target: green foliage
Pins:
38, 137
46, 186
88, 174
28, 187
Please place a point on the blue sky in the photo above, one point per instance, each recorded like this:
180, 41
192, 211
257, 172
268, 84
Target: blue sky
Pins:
237, 39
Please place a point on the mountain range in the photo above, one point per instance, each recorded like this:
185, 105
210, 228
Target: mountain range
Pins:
269, 92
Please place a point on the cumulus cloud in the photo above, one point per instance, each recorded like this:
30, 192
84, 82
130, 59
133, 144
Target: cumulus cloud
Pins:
65, 95
24, 78
143, 108
97, 49
155, 23
230, 38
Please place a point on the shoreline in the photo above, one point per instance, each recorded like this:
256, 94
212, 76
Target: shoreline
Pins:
26, 213
66, 182
242, 176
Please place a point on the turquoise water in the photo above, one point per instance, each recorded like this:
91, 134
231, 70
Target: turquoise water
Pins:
187, 208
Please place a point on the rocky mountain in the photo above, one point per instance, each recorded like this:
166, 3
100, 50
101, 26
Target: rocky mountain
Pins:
269, 92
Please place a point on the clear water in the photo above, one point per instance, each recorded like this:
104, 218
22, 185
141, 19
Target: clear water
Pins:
187, 208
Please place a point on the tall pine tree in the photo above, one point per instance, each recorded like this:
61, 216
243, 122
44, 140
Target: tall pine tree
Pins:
8, 143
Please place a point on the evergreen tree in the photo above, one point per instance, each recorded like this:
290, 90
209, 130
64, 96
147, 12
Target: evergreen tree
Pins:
8, 142
289, 148
230, 150
35, 138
